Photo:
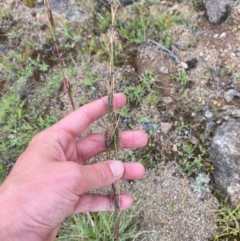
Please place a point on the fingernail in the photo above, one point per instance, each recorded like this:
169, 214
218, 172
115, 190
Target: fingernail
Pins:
117, 168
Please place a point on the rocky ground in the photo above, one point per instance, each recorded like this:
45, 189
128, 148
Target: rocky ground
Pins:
192, 100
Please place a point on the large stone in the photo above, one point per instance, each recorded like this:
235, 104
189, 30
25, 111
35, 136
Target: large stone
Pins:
225, 155
60, 5
74, 15
217, 10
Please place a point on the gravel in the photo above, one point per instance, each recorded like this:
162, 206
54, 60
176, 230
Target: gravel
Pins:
172, 212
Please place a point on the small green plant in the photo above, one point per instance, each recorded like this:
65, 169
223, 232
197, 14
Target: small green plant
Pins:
124, 111
136, 29
143, 119
166, 20
153, 98
228, 222
90, 79
208, 73
4, 14
182, 78
192, 163
71, 33
103, 20
163, 22
136, 93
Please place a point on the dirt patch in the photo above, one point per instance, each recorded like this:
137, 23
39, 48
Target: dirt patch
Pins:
179, 108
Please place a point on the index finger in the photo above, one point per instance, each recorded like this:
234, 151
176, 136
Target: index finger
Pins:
78, 121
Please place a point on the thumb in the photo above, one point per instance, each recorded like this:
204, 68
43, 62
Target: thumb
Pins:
102, 174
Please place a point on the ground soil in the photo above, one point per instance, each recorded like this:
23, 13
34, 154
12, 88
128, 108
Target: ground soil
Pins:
171, 210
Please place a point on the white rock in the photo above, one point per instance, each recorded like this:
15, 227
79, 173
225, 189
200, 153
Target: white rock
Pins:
183, 65
164, 70
208, 114
167, 100
223, 35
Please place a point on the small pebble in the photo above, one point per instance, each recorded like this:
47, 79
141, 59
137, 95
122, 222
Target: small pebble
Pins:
193, 140
164, 70
223, 35
167, 100
208, 114
183, 65
165, 127
215, 35
174, 148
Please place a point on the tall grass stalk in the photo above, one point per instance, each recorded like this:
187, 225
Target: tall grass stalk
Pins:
60, 61
112, 135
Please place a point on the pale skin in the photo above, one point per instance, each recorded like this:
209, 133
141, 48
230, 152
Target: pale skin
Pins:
48, 182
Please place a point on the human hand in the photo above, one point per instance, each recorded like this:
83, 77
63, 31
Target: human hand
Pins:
48, 181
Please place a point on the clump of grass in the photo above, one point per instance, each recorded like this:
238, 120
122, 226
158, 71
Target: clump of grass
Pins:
142, 23
137, 92
20, 121
228, 222
100, 226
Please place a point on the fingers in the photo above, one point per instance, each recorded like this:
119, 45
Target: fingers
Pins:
94, 144
103, 174
133, 171
97, 202
98, 175
76, 122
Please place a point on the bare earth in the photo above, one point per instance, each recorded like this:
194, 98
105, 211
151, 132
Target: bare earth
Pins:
171, 211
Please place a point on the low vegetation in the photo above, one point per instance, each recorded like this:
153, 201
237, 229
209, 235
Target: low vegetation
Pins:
32, 87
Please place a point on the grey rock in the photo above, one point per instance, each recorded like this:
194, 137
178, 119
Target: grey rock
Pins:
218, 10
234, 113
3, 49
229, 94
225, 155
60, 5
74, 15
149, 127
